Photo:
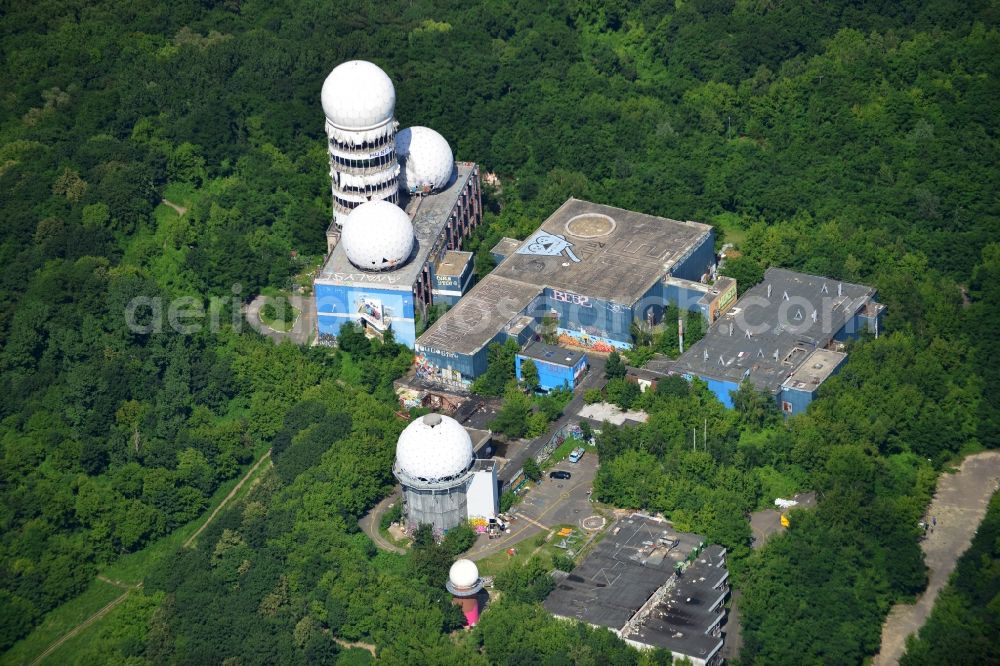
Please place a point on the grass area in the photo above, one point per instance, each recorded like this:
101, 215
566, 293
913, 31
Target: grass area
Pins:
130, 569
732, 227
542, 544
561, 451
86, 647
60, 620
182, 194
279, 324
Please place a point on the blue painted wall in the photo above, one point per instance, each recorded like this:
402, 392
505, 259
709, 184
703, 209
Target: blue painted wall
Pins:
797, 399
720, 388
552, 375
522, 338
699, 261
858, 325
449, 368
684, 298
851, 330
584, 317
336, 304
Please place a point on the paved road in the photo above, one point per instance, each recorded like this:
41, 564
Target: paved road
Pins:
517, 454
303, 328
552, 502
369, 523
959, 505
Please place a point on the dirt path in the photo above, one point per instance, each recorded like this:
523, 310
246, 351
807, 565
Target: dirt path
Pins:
83, 625
347, 644
115, 583
958, 507
370, 522
180, 209
225, 501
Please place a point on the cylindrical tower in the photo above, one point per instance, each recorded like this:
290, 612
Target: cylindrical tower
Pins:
359, 101
435, 463
464, 584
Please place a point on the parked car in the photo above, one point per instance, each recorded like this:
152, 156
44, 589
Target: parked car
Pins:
576, 454
559, 474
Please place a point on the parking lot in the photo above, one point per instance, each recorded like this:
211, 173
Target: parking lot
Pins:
549, 503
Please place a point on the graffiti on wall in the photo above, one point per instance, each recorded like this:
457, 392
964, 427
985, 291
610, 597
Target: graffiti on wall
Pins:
722, 302
429, 372
567, 297
589, 340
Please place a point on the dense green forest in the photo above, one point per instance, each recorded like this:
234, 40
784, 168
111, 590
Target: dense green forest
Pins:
852, 140
963, 626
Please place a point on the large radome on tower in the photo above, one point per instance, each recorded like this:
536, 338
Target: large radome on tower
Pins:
402, 207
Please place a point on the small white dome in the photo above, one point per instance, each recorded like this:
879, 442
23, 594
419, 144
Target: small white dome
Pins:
358, 95
425, 159
434, 448
463, 574
377, 236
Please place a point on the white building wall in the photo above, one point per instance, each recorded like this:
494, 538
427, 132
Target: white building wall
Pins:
483, 501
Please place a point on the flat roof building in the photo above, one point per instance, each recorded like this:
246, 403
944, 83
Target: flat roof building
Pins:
557, 367
593, 268
773, 334
635, 583
687, 617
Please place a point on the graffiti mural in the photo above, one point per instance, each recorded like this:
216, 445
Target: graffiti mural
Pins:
373, 312
589, 341
544, 244
429, 372
480, 525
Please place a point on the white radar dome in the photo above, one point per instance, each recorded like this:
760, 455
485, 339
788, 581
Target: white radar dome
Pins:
463, 574
425, 159
358, 95
434, 448
377, 236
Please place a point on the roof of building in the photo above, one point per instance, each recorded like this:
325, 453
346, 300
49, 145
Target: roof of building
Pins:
429, 215
552, 354
479, 438
773, 328
453, 263
601, 251
635, 558
585, 248
475, 320
645, 374
661, 365
506, 246
814, 371
685, 619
